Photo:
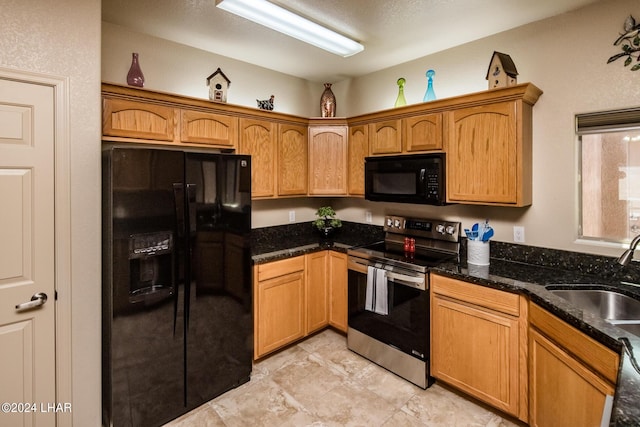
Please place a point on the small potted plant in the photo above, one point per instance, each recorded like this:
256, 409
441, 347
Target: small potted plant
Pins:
327, 221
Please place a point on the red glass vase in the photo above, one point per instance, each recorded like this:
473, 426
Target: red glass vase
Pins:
135, 76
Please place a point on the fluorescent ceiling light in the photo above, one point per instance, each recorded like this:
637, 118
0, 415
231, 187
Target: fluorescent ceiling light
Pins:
268, 14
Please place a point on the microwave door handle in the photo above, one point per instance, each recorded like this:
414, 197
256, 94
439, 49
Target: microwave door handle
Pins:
423, 172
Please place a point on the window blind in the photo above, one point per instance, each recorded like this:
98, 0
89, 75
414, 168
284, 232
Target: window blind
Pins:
604, 121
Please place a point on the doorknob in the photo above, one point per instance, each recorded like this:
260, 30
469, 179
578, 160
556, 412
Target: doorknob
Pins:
37, 300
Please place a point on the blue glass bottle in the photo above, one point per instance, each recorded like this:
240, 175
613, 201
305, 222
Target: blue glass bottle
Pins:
400, 100
430, 95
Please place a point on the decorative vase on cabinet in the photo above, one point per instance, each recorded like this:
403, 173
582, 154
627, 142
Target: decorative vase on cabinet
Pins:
430, 94
327, 102
400, 100
135, 76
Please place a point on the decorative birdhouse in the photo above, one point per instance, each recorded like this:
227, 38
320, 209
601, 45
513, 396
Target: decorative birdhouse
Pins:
502, 71
218, 85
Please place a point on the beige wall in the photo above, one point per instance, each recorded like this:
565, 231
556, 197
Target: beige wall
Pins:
565, 56
62, 38
176, 68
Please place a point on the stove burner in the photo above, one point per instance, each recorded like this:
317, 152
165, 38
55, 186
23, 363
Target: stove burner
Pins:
436, 242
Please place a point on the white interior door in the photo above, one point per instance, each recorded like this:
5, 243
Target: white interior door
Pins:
27, 336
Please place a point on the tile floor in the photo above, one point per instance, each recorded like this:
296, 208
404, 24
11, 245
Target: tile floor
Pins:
319, 382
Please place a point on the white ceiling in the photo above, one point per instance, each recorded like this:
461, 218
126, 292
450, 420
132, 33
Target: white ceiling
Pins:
392, 31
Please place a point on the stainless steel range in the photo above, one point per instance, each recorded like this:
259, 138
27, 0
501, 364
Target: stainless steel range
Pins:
389, 293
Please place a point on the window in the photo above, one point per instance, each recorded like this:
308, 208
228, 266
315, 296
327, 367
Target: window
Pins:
609, 184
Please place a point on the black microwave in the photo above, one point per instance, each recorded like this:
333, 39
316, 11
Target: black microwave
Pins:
417, 178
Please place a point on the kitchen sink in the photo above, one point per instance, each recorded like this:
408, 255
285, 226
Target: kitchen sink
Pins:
616, 308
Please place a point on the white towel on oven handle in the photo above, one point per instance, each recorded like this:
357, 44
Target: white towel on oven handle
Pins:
377, 295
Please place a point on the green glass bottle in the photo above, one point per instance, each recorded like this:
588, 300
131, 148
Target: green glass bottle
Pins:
400, 101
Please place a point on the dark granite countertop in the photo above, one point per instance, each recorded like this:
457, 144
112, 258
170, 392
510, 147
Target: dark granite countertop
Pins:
513, 268
285, 241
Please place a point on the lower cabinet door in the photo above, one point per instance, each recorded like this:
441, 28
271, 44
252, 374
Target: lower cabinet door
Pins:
476, 351
280, 312
338, 290
317, 295
564, 392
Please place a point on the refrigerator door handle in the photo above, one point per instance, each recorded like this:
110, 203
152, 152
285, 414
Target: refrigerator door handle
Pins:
191, 208
178, 197
190, 228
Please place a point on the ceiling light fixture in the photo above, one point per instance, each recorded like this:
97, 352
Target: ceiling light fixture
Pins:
268, 14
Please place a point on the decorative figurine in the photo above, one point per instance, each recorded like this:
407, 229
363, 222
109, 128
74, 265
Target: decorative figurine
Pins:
218, 85
400, 101
266, 104
631, 45
502, 71
135, 76
430, 95
327, 102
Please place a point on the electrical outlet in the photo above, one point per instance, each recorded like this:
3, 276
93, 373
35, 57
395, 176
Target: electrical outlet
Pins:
518, 234
292, 216
367, 217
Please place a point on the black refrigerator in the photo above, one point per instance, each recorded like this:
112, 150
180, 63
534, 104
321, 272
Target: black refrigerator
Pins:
176, 303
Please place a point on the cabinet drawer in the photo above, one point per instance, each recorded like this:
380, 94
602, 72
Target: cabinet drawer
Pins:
603, 360
493, 299
279, 268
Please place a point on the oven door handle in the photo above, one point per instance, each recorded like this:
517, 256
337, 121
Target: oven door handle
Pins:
417, 282
414, 282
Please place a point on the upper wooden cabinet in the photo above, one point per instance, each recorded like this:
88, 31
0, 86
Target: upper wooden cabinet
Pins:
358, 150
385, 137
208, 128
422, 132
412, 134
258, 139
328, 160
135, 119
489, 150
292, 160
487, 137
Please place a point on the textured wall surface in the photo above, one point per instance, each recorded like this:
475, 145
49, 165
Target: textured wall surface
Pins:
62, 38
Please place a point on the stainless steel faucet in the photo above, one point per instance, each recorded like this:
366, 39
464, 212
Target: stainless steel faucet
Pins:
628, 254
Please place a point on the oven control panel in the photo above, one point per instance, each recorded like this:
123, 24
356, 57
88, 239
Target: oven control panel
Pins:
429, 228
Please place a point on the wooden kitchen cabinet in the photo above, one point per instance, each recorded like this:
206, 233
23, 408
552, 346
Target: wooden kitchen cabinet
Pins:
328, 160
292, 160
337, 278
571, 374
258, 139
422, 133
479, 341
279, 304
487, 138
317, 291
208, 128
385, 137
298, 296
358, 150
139, 120
489, 150
326, 290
